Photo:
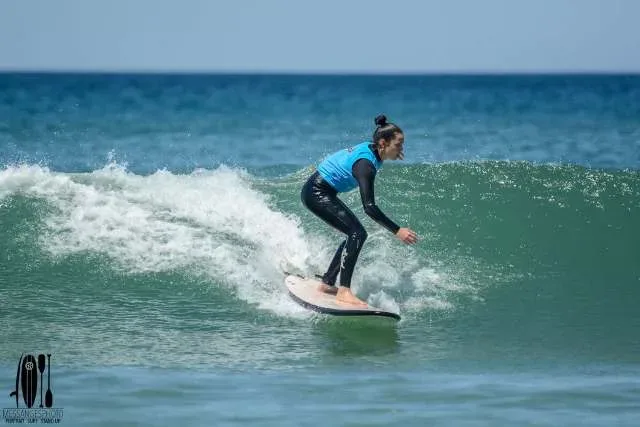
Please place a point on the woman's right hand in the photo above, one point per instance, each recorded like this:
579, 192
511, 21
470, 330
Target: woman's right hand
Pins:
407, 235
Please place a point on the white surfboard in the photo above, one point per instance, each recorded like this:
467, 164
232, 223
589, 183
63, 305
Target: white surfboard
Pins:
303, 290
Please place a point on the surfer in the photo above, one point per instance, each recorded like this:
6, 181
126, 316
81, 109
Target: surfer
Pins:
341, 172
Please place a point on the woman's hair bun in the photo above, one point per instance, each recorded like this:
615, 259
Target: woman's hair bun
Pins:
381, 120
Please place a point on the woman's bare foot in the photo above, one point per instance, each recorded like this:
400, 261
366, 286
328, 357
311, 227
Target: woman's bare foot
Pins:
345, 296
327, 289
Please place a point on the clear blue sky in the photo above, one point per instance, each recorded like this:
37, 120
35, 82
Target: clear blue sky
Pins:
321, 36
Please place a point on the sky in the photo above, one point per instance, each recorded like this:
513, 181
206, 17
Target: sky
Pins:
362, 36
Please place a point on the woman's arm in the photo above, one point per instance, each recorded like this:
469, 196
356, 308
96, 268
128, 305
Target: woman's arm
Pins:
364, 172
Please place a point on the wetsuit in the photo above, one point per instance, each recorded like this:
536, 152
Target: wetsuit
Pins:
343, 171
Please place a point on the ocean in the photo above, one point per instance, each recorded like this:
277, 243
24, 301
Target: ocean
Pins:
146, 220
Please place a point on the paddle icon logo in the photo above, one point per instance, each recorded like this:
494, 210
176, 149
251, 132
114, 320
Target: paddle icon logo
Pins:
29, 374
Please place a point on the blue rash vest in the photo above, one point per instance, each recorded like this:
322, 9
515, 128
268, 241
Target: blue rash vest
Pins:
336, 169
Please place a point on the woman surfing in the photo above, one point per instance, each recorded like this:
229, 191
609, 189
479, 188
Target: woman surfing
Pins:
343, 171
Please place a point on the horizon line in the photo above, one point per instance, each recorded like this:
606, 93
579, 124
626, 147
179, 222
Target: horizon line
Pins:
284, 72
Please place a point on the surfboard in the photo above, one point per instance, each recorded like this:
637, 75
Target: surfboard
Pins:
303, 290
29, 380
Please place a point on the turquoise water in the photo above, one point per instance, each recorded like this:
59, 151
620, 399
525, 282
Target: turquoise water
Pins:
146, 220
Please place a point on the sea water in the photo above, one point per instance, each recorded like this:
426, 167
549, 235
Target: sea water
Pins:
146, 220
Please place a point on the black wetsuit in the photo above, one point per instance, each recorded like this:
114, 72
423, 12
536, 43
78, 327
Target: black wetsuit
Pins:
322, 199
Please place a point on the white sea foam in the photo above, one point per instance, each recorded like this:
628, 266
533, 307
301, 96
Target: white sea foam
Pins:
215, 224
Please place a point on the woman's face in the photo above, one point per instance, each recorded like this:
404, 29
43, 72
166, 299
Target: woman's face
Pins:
393, 149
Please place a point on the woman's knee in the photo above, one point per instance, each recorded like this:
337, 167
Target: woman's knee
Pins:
360, 235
